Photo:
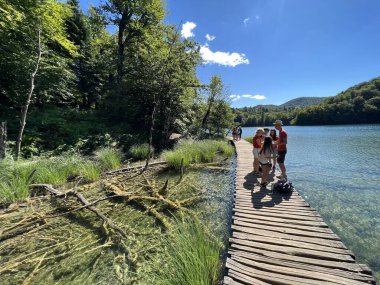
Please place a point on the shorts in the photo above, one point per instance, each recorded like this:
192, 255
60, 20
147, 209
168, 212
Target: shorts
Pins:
281, 156
256, 152
266, 164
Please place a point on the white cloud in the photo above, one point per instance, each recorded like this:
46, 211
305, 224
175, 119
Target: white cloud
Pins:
257, 17
210, 37
246, 20
222, 58
187, 29
257, 97
235, 97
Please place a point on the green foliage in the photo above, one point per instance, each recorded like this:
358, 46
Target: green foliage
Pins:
195, 152
192, 256
139, 151
303, 102
109, 158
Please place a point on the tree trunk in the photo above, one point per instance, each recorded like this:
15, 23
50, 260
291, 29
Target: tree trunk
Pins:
120, 54
153, 118
25, 108
3, 139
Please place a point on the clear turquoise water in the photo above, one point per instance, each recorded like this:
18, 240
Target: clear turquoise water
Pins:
337, 170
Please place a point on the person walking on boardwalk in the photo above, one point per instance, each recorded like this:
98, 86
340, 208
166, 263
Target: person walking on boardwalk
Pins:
240, 131
257, 142
266, 153
281, 146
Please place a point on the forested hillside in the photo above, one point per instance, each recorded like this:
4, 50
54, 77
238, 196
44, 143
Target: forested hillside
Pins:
358, 104
65, 80
303, 102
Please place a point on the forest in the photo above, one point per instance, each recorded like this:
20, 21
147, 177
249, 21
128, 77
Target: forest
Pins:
68, 82
359, 104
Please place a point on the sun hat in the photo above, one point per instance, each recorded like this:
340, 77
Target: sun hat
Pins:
278, 122
259, 130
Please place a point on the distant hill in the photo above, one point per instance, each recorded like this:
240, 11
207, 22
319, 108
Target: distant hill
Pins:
303, 102
357, 105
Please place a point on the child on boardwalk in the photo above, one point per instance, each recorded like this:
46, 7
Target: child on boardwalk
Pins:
266, 153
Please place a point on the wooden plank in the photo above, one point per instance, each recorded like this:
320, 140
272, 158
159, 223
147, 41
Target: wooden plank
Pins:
278, 211
354, 267
312, 240
271, 277
309, 226
342, 273
298, 244
294, 251
266, 204
297, 272
245, 279
284, 217
286, 230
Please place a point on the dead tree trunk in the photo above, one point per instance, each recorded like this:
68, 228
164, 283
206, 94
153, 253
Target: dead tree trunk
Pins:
25, 108
3, 139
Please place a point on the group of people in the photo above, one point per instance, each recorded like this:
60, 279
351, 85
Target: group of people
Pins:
236, 133
268, 150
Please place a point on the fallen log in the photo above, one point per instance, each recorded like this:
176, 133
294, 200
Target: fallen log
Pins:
86, 204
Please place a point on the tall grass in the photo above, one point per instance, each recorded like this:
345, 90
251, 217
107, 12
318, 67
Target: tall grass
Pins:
139, 151
109, 158
196, 152
191, 257
16, 176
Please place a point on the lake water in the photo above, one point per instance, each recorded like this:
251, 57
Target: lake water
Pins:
337, 170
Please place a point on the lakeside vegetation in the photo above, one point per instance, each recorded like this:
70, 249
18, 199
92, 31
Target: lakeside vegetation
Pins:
359, 104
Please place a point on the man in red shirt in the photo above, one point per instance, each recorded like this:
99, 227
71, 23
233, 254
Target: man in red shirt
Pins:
282, 141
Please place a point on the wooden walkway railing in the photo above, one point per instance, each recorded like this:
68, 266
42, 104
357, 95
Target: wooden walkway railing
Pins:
280, 239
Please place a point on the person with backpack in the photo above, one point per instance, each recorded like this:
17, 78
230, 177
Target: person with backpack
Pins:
266, 153
240, 131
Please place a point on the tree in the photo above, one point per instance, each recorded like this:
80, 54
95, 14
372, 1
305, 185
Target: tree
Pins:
131, 17
36, 44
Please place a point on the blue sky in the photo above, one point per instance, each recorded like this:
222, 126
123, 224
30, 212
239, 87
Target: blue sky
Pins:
271, 51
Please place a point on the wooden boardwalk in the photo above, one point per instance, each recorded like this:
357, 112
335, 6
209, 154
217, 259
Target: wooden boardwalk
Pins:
280, 239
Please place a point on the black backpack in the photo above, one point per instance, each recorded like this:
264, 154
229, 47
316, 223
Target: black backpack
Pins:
283, 187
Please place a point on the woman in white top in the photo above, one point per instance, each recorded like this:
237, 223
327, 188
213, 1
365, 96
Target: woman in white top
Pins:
266, 153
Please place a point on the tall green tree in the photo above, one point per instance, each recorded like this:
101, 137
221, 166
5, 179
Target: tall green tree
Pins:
132, 18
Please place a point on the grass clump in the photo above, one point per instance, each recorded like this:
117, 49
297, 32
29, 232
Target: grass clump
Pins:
191, 256
109, 158
90, 171
196, 152
139, 151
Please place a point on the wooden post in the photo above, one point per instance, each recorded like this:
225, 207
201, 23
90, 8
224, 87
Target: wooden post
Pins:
3, 139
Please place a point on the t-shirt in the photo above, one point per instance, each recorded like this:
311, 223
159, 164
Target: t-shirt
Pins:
255, 139
282, 136
264, 157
